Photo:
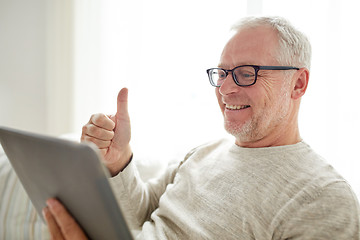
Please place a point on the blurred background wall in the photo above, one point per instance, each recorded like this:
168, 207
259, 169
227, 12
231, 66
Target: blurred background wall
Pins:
36, 65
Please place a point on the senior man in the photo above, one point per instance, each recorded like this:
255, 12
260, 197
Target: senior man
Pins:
267, 184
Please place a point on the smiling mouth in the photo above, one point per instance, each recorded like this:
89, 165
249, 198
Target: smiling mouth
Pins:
236, 107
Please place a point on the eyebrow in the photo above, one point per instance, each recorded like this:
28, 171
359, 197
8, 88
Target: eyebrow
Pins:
220, 65
225, 66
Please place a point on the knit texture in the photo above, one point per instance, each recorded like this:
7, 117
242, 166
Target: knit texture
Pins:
222, 191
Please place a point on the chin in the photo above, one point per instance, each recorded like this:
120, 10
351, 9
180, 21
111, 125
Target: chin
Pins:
244, 132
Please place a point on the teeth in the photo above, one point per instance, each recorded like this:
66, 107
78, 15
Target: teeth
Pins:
236, 107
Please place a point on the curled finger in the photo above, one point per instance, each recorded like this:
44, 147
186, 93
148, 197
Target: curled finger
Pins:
97, 132
98, 142
102, 121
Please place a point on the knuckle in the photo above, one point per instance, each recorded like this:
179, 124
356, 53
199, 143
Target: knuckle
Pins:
99, 119
111, 135
104, 121
97, 142
93, 118
84, 128
89, 139
96, 131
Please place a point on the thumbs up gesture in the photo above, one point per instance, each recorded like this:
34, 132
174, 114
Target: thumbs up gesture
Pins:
111, 134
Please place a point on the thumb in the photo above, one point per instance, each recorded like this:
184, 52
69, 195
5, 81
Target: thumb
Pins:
122, 105
119, 151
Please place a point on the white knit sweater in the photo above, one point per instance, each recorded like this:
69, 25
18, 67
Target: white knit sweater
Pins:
222, 191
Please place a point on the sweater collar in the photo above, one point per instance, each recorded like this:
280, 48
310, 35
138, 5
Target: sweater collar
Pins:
268, 150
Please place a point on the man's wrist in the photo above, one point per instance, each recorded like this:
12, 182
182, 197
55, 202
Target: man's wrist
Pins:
124, 161
131, 157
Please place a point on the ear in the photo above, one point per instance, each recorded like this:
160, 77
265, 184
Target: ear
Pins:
300, 83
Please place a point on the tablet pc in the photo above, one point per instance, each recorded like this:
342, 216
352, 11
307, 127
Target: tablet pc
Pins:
71, 172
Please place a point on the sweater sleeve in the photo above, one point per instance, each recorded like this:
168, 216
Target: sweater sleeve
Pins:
332, 214
138, 199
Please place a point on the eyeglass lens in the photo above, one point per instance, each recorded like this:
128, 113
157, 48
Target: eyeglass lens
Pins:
244, 75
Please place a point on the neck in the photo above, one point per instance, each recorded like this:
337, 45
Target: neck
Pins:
277, 139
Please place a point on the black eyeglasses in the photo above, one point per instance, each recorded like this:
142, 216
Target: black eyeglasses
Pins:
244, 75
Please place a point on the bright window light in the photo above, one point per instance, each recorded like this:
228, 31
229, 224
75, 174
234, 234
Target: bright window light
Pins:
160, 50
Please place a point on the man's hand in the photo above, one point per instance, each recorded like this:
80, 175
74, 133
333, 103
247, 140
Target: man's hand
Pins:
112, 134
60, 223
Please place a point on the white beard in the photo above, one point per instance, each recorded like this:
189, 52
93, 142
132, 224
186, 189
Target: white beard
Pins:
262, 123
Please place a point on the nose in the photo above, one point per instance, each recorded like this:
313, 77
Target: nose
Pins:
228, 86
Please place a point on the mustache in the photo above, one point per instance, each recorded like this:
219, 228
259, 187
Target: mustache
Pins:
236, 99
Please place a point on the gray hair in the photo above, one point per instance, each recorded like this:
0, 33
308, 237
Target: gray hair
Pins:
294, 46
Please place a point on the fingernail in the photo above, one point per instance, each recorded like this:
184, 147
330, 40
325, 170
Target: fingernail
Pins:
51, 202
45, 211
